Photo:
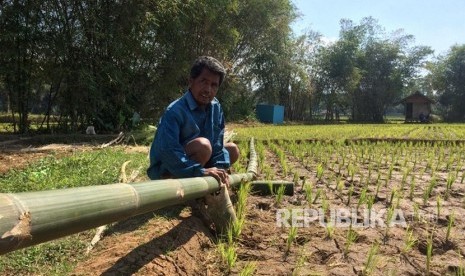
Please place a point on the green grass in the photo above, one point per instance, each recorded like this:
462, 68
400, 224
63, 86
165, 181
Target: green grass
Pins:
52, 258
97, 167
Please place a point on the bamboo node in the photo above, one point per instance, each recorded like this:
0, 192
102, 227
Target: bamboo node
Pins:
180, 193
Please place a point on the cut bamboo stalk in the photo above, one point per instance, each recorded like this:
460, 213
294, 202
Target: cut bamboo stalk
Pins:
31, 218
35, 217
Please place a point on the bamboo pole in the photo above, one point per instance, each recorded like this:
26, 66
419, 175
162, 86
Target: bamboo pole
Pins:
31, 218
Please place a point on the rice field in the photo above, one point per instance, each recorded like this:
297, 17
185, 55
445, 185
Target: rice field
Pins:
368, 197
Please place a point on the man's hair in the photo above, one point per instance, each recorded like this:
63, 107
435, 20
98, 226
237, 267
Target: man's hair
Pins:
211, 64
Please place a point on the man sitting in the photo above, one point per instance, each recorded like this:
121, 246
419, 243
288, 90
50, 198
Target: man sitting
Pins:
189, 138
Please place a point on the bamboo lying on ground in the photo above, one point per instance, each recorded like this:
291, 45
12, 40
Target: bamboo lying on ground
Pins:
31, 218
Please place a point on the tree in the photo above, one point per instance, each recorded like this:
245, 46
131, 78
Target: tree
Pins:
448, 74
21, 42
366, 70
96, 62
262, 57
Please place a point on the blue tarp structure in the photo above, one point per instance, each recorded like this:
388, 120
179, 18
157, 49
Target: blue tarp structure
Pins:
270, 113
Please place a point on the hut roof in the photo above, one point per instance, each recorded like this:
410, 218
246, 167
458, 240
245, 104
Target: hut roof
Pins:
416, 97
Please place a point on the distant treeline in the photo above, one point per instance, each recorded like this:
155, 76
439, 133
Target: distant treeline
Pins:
97, 62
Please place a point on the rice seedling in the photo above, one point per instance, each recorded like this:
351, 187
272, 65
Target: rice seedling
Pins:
389, 216
391, 167
370, 201
429, 253
340, 186
309, 193
319, 171
349, 195
279, 195
404, 178
450, 224
302, 258
372, 260
460, 271
429, 190
416, 212
362, 198
351, 172
228, 253
370, 169
393, 196
350, 239
268, 172
412, 187
438, 205
249, 269
324, 205
450, 181
422, 172
378, 186
291, 236
409, 241
317, 195
242, 196
296, 177
329, 229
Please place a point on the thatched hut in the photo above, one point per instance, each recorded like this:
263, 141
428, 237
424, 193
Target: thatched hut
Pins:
417, 107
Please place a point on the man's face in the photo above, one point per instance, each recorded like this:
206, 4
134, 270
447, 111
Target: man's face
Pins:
204, 87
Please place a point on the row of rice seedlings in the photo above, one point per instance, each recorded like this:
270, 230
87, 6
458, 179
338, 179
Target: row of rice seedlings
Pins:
281, 156
260, 150
351, 131
241, 166
412, 171
228, 247
241, 208
408, 176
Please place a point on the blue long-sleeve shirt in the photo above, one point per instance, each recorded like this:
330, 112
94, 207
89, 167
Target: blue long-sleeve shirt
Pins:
182, 122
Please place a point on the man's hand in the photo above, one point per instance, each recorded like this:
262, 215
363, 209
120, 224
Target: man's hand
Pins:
219, 174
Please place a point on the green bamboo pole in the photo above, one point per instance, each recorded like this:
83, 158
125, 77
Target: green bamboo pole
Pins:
31, 218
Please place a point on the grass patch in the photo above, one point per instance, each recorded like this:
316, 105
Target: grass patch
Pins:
97, 167
56, 257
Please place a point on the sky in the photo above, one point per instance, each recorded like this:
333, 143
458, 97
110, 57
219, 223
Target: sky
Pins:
435, 23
